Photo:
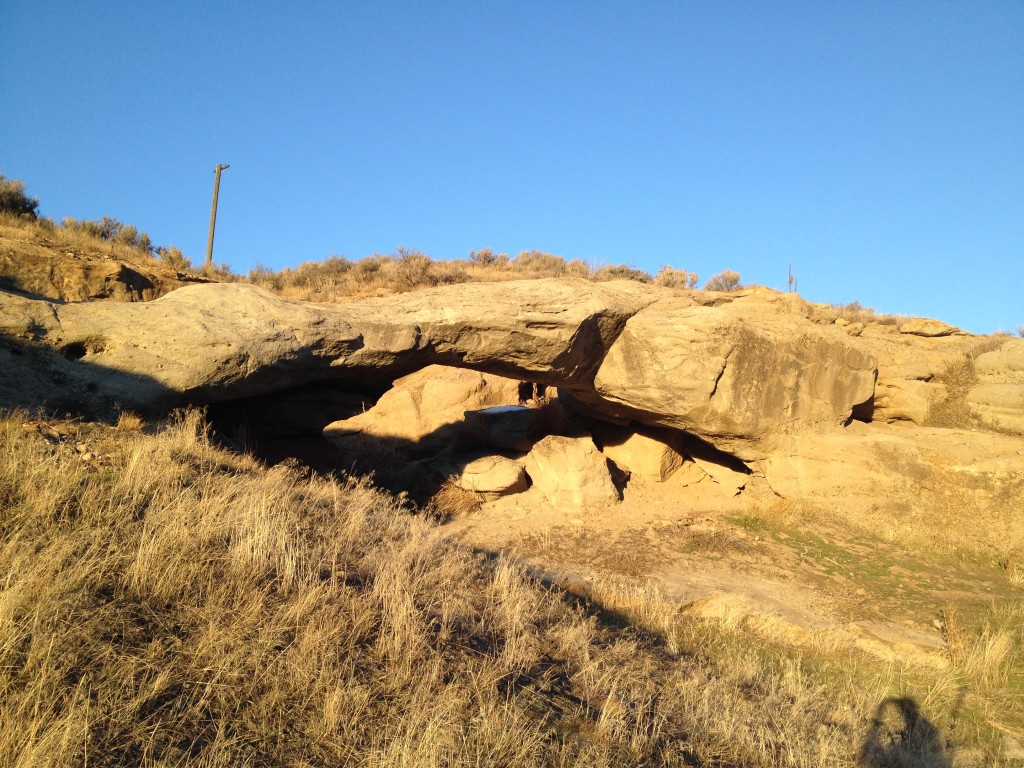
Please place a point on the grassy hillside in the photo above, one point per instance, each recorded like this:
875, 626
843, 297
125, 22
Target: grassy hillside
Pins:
26, 241
165, 602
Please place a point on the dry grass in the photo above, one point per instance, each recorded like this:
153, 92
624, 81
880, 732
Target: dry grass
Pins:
1015, 574
959, 376
339, 279
951, 411
77, 238
180, 605
68, 238
129, 422
941, 711
452, 500
333, 279
854, 312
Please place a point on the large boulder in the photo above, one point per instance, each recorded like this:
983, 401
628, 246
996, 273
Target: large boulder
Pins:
737, 375
570, 472
639, 454
420, 405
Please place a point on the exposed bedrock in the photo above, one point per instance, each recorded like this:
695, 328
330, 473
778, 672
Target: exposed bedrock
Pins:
735, 374
738, 375
219, 342
737, 370
891, 476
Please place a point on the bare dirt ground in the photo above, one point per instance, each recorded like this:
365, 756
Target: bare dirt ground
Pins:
803, 578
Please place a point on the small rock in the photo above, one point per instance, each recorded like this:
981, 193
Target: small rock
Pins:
87, 456
493, 476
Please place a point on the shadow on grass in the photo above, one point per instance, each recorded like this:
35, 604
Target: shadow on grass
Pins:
902, 737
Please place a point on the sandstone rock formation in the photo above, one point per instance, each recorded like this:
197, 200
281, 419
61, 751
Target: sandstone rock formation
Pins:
419, 405
492, 476
892, 477
741, 378
998, 397
640, 454
923, 326
220, 342
999, 405
571, 472
898, 399
737, 375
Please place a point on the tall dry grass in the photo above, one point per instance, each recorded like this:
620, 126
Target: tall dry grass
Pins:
166, 603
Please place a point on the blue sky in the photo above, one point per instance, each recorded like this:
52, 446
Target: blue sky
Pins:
876, 146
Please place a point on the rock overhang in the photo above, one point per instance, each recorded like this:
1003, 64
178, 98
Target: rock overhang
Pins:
733, 370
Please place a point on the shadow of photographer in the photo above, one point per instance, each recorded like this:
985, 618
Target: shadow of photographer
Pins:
901, 737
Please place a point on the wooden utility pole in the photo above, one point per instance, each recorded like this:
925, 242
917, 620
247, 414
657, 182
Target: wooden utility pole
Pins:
208, 266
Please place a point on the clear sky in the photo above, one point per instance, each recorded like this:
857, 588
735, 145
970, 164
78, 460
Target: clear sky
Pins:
876, 146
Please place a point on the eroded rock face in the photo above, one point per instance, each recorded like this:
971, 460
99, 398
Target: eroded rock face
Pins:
739, 371
736, 375
998, 397
911, 369
999, 405
906, 399
893, 475
752, 387
1004, 364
